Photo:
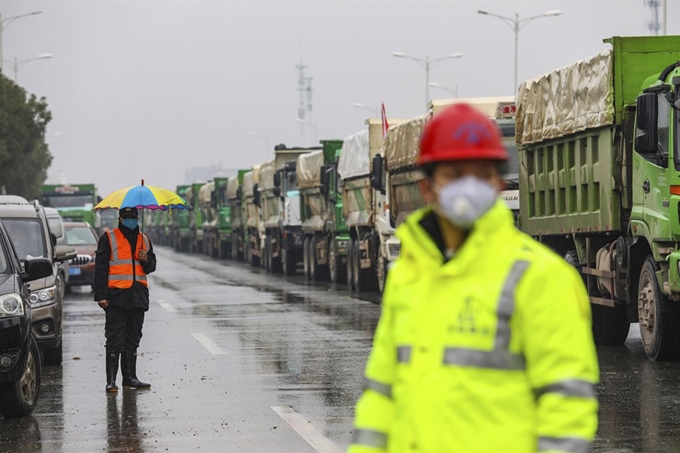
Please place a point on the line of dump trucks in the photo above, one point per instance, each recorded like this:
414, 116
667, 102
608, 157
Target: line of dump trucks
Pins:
595, 175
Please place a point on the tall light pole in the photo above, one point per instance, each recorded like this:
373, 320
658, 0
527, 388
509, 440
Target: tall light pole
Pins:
427, 64
517, 24
18, 64
454, 91
4, 23
264, 137
311, 124
374, 111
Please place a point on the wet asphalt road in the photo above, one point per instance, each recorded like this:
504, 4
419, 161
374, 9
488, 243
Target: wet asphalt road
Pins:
239, 360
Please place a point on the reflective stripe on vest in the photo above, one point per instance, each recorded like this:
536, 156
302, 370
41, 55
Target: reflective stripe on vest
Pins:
369, 438
565, 444
124, 269
569, 387
379, 387
404, 354
500, 358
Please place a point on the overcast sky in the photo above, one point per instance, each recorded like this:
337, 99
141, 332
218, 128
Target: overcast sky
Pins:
145, 89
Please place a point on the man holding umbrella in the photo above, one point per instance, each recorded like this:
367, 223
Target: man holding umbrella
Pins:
124, 259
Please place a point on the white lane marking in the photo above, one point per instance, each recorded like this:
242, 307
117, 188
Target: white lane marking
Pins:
305, 429
208, 344
167, 307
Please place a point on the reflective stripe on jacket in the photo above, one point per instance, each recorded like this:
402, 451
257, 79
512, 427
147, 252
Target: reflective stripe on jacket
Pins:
491, 351
123, 266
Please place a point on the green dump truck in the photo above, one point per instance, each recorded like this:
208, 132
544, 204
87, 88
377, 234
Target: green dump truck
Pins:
195, 218
600, 183
325, 233
237, 218
180, 231
73, 201
208, 217
365, 204
254, 229
280, 211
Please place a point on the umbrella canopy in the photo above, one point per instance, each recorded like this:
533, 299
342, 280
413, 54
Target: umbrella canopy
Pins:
143, 197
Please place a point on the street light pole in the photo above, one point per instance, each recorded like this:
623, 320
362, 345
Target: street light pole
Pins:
4, 23
18, 64
453, 91
427, 64
516, 25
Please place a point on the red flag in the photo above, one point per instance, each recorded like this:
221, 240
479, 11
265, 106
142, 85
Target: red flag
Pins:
385, 124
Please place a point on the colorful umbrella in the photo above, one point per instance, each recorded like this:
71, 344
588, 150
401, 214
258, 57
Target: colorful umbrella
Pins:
143, 197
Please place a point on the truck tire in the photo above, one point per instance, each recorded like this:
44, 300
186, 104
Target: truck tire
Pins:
382, 273
306, 259
364, 279
336, 270
235, 255
319, 271
350, 265
276, 263
288, 263
18, 399
658, 317
265, 255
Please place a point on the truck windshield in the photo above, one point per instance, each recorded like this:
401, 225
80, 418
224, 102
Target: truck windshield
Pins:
507, 128
69, 201
291, 181
27, 236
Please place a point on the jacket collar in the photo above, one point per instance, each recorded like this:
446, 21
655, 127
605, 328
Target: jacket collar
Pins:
418, 245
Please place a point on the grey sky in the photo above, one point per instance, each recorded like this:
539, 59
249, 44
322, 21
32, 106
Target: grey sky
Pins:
145, 89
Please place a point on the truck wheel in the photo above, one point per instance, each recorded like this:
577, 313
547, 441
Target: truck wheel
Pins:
306, 264
314, 271
335, 269
658, 317
18, 399
288, 262
362, 277
267, 254
382, 274
350, 265
54, 356
234, 249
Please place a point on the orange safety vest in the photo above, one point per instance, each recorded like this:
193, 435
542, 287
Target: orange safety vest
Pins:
123, 266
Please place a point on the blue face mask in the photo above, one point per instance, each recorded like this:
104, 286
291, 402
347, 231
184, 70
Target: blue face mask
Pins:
130, 223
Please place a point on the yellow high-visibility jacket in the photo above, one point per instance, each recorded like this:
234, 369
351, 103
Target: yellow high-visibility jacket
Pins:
491, 351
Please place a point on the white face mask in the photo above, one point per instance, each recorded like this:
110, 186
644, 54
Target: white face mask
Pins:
465, 200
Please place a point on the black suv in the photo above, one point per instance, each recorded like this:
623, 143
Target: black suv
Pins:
19, 354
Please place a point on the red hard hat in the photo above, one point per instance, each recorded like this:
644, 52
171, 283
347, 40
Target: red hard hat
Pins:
461, 132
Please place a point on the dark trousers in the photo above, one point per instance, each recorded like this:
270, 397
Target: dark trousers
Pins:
123, 328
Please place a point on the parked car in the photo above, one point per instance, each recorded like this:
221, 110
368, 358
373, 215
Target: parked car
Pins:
82, 237
27, 227
56, 225
19, 354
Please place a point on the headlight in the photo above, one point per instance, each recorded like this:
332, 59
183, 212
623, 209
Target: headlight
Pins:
42, 297
11, 305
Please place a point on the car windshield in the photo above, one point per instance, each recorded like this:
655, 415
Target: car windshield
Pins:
80, 236
27, 237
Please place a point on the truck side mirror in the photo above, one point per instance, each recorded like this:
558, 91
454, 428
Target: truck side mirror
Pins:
277, 179
323, 177
277, 191
647, 117
377, 174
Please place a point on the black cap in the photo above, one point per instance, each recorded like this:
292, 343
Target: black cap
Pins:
128, 213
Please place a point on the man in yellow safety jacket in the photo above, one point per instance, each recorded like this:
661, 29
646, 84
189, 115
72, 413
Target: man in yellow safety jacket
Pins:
484, 343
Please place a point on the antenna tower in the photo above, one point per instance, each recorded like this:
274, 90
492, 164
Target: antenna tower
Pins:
305, 89
654, 25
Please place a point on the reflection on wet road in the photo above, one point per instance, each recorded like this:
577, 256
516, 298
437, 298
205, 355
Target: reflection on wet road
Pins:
231, 352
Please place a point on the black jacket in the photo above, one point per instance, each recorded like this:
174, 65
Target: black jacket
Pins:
136, 296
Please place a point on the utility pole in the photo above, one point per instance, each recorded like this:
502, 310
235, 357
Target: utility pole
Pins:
4, 23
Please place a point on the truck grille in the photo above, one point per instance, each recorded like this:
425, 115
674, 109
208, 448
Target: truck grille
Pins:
81, 260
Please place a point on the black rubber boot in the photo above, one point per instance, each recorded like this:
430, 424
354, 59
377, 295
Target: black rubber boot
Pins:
111, 371
128, 364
